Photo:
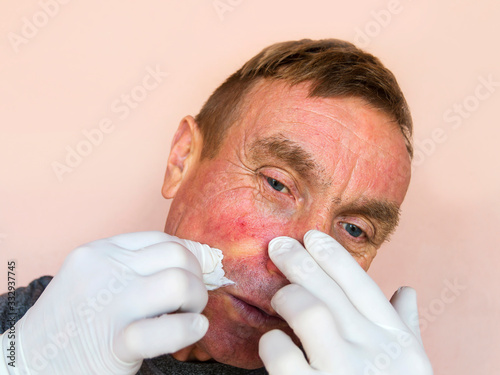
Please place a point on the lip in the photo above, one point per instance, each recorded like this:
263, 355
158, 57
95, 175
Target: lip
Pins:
253, 315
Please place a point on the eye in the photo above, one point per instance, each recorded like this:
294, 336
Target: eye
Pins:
276, 185
353, 230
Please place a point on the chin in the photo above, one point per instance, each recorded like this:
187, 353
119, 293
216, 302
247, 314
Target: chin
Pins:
238, 347
225, 350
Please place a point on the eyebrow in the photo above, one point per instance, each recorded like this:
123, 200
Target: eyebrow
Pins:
287, 151
385, 213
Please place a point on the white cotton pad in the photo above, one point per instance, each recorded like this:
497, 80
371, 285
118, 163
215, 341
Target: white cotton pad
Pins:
210, 260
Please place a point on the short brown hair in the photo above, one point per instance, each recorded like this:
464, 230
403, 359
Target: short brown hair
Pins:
333, 67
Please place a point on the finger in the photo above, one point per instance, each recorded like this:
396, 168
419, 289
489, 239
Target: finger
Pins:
405, 304
159, 256
165, 334
281, 356
313, 323
360, 288
300, 268
138, 240
170, 290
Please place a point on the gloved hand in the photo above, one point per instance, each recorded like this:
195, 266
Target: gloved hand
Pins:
343, 320
114, 302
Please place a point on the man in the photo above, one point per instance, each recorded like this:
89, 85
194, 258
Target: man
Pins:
308, 140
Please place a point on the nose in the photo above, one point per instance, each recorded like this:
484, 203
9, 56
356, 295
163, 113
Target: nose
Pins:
318, 220
321, 221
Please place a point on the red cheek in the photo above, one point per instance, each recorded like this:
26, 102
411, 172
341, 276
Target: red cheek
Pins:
237, 221
248, 226
241, 223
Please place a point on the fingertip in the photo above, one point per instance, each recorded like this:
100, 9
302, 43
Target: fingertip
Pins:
406, 293
281, 296
269, 337
270, 341
405, 303
280, 355
280, 244
200, 324
312, 233
316, 235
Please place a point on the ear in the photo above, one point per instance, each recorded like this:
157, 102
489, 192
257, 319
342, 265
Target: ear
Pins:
184, 153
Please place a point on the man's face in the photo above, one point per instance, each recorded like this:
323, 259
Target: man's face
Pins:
290, 164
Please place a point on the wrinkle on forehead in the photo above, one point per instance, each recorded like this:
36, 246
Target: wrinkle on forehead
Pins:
347, 180
339, 131
294, 99
352, 131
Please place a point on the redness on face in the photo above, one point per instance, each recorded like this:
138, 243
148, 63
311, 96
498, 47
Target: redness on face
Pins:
227, 202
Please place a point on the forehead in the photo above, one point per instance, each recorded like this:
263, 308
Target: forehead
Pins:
275, 106
345, 136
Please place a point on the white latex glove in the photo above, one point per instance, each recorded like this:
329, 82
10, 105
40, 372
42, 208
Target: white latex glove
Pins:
111, 305
343, 320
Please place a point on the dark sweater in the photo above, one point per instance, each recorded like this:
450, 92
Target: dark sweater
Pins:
164, 365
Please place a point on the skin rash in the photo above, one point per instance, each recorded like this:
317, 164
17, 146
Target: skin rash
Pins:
290, 164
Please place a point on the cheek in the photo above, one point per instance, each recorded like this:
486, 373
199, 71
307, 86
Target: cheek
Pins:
243, 227
365, 260
229, 212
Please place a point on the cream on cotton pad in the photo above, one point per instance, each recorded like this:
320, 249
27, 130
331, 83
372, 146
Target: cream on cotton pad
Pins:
210, 260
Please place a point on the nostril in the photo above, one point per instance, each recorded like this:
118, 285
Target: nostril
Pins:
273, 269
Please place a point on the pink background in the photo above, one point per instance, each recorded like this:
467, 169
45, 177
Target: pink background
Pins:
80, 59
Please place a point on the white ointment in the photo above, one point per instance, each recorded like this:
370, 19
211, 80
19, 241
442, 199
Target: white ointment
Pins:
210, 260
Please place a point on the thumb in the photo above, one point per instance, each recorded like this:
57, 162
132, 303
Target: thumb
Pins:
404, 302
